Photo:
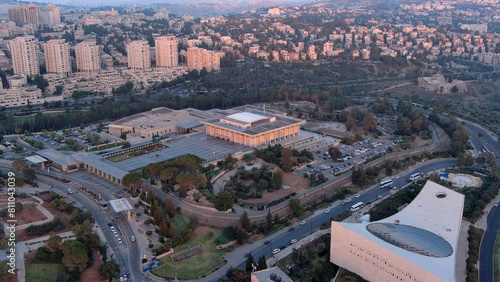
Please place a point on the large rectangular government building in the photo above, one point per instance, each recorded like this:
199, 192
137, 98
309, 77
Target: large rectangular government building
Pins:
253, 130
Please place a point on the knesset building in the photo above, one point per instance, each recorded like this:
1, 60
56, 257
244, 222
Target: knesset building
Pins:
253, 130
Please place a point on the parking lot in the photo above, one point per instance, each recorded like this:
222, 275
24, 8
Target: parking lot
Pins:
351, 155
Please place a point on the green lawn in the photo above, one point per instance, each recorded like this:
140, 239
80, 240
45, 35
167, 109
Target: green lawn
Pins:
194, 267
181, 222
43, 272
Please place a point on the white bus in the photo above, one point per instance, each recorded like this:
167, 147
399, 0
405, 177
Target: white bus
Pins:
357, 206
414, 176
386, 183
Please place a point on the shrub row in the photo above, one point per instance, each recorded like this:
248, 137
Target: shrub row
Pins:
54, 225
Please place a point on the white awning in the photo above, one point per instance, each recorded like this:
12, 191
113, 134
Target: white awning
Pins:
120, 205
35, 159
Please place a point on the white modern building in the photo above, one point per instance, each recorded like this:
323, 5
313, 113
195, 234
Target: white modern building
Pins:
419, 243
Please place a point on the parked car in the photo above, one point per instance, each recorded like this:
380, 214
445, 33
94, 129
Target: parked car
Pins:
267, 242
115, 233
282, 247
327, 210
112, 228
120, 241
291, 229
275, 251
293, 241
303, 222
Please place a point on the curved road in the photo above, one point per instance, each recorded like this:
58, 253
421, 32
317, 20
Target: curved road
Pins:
487, 243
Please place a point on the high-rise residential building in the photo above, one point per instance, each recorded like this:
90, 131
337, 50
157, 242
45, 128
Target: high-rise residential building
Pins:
32, 15
138, 55
16, 15
56, 12
166, 51
87, 57
198, 58
57, 58
24, 55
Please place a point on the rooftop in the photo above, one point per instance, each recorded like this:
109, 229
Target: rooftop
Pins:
57, 157
120, 205
246, 117
281, 121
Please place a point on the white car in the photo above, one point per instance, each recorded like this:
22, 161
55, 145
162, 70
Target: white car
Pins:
327, 210
285, 186
303, 222
293, 241
120, 241
357, 195
70, 191
115, 233
112, 229
275, 251
397, 176
496, 204
348, 200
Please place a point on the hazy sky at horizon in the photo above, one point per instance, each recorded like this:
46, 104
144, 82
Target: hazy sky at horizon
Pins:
93, 3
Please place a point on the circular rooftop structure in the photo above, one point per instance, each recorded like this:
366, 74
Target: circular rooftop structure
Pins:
412, 239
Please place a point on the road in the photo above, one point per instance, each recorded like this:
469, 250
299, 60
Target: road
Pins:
486, 249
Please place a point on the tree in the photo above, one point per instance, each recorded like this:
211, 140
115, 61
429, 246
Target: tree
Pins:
358, 176
75, 255
171, 231
170, 208
169, 174
40, 82
388, 168
82, 229
245, 221
276, 218
109, 270
277, 179
465, 159
496, 172
19, 165
286, 159
163, 228
132, 180
369, 123
152, 170
481, 159
261, 265
350, 122
53, 243
59, 90
269, 219
29, 174
296, 207
335, 153
223, 201
126, 145
240, 234
490, 159
250, 263
236, 275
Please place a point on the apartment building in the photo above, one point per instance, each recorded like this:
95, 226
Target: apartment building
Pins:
24, 55
87, 57
57, 58
138, 55
166, 51
198, 58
